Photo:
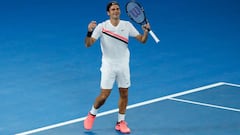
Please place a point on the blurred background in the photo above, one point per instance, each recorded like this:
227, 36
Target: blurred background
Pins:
48, 76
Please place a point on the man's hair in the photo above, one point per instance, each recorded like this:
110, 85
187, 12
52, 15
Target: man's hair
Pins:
110, 4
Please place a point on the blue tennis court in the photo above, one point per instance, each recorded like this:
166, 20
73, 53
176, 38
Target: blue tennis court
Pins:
212, 109
186, 84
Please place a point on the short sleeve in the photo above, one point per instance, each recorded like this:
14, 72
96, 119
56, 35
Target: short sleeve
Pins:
133, 32
97, 31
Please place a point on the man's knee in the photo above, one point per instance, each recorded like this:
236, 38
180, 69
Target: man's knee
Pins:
123, 92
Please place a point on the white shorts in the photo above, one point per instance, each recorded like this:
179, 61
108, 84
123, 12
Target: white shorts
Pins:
112, 73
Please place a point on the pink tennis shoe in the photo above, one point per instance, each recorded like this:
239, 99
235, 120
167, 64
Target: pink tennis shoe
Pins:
122, 127
88, 122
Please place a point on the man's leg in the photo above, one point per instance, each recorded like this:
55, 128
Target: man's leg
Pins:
122, 104
123, 100
100, 100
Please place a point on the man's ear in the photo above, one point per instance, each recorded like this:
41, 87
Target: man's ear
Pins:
108, 13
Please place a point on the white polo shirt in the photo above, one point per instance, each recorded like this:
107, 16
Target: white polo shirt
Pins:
114, 41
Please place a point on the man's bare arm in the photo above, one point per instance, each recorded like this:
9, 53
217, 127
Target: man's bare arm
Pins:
89, 40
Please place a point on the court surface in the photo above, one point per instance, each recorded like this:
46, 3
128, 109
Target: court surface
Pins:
208, 110
48, 76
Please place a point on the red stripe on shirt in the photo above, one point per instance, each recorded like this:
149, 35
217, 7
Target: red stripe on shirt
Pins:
115, 35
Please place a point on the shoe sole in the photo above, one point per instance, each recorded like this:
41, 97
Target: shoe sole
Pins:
122, 132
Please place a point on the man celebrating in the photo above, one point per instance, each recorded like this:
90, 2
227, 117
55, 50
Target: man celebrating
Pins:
114, 35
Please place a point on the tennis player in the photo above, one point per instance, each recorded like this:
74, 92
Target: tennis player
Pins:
114, 37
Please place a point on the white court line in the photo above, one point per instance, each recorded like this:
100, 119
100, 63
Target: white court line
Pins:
128, 107
205, 104
231, 84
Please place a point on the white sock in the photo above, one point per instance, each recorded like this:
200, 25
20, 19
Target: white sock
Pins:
93, 111
121, 117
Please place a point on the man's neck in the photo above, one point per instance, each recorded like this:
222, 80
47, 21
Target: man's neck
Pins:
114, 22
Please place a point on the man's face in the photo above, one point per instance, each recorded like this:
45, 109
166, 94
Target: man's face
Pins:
114, 12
